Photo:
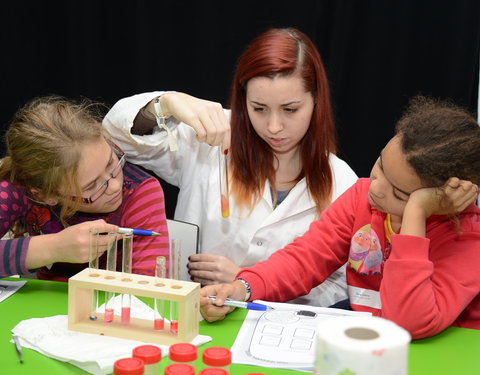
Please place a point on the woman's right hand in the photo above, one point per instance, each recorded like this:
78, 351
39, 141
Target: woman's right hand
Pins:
71, 245
205, 117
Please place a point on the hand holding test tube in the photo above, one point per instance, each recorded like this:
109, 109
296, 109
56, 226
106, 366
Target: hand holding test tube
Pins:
224, 192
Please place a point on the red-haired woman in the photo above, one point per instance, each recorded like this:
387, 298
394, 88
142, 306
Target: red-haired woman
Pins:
280, 138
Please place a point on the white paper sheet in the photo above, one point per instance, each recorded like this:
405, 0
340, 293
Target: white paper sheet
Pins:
7, 288
282, 338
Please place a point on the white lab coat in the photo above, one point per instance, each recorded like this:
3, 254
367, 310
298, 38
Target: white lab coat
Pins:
194, 168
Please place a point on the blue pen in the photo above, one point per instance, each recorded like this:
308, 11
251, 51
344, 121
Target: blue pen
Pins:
244, 305
138, 232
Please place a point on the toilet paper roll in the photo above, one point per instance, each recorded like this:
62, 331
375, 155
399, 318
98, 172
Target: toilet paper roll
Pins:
350, 345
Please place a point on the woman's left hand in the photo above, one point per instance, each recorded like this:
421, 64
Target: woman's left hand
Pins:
208, 269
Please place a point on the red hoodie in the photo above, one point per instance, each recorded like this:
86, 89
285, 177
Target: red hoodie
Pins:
422, 284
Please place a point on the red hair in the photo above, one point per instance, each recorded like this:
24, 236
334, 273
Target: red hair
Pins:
281, 52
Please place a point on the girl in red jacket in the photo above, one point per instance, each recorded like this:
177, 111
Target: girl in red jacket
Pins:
410, 234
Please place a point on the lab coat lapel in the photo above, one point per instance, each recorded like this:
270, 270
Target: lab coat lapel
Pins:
297, 201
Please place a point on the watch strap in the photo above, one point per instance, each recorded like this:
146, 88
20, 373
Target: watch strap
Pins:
248, 290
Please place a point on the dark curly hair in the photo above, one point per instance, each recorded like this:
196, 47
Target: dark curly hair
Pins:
440, 140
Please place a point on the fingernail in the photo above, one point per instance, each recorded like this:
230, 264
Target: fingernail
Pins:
225, 152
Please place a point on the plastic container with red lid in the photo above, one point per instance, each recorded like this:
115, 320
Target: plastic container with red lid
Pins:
183, 353
151, 355
213, 371
179, 369
217, 357
128, 366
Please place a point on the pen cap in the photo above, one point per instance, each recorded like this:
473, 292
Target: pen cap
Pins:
148, 353
179, 369
128, 366
217, 356
183, 352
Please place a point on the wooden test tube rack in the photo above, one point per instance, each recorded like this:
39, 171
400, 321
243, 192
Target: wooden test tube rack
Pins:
80, 292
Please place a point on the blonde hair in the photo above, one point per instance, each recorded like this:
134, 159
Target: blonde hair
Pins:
44, 144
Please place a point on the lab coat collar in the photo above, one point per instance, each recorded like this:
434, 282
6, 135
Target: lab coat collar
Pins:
297, 201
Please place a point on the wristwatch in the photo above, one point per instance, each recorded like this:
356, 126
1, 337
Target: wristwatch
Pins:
160, 117
248, 290
158, 108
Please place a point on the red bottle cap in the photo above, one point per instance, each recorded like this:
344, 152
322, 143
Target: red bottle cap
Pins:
179, 369
213, 371
128, 366
217, 356
183, 352
148, 353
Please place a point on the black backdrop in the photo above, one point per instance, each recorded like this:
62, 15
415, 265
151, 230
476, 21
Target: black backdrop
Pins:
378, 53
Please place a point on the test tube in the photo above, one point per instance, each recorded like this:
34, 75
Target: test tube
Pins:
92, 266
111, 242
175, 275
126, 268
159, 304
224, 192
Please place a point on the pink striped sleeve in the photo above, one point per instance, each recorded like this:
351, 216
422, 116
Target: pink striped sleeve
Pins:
145, 209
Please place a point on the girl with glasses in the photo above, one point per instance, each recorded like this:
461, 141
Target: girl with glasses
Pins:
62, 176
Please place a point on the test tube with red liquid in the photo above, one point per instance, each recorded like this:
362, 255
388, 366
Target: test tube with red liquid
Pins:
111, 242
126, 268
93, 267
175, 275
159, 304
224, 192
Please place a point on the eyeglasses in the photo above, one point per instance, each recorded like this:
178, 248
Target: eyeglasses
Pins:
113, 174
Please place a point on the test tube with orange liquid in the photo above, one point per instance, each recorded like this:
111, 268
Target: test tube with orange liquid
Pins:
224, 193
